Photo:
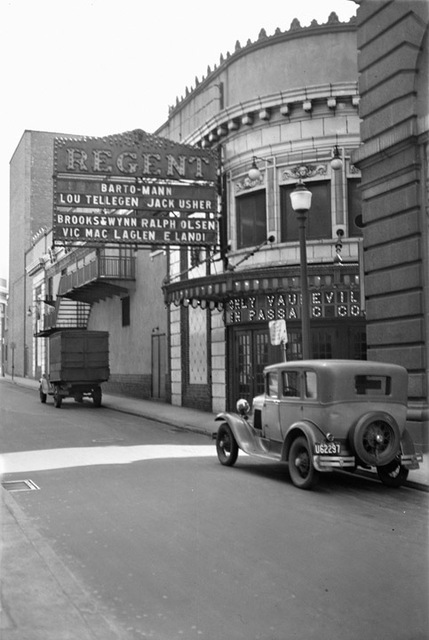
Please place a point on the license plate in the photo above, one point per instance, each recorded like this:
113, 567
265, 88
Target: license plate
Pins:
327, 448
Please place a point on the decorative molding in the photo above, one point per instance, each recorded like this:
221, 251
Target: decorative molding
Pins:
247, 183
304, 171
353, 169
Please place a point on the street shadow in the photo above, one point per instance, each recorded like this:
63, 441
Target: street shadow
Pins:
335, 481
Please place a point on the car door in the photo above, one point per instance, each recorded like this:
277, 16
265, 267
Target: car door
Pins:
291, 400
270, 409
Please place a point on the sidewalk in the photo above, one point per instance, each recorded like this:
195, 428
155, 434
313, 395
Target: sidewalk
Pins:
40, 599
182, 417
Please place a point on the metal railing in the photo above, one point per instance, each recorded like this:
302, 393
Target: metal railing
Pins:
111, 268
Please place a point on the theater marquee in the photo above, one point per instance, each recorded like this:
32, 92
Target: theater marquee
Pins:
326, 304
133, 188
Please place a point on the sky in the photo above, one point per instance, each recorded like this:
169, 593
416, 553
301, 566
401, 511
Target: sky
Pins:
100, 67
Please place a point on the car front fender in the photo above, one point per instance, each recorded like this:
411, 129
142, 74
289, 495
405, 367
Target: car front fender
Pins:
45, 385
242, 430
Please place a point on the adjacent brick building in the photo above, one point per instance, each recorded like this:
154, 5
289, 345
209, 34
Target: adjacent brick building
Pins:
393, 159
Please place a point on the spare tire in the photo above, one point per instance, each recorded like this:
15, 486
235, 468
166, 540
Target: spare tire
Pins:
375, 439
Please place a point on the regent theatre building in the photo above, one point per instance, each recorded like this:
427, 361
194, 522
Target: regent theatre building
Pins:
184, 244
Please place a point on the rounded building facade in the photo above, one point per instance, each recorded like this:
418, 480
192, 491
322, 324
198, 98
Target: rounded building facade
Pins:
279, 110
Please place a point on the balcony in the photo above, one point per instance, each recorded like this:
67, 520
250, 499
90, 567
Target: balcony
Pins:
102, 278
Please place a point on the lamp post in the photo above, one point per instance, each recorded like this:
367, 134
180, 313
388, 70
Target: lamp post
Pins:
301, 201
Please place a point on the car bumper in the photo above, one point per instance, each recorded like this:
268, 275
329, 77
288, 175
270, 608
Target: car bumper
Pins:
327, 463
411, 460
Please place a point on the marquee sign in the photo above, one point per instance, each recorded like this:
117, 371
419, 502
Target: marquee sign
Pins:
145, 196
328, 303
131, 229
133, 188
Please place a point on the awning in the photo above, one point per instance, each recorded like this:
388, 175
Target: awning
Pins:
214, 290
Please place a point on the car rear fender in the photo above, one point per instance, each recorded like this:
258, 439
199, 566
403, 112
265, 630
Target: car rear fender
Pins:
308, 429
407, 444
241, 428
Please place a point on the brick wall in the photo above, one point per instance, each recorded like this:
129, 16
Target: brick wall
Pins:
132, 385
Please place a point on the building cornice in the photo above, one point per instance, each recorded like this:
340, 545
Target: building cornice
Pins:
295, 31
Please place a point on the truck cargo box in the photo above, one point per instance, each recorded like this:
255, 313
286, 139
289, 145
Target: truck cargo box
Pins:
79, 356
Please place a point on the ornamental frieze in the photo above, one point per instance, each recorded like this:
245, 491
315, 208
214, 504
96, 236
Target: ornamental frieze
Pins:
303, 171
247, 183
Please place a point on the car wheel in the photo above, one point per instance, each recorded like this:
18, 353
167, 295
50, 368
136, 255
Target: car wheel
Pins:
226, 446
96, 396
42, 396
57, 399
393, 474
376, 439
301, 469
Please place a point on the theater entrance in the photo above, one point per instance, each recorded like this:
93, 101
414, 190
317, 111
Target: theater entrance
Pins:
250, 350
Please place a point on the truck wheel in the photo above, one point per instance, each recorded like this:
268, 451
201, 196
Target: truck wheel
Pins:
301, 469
42, 396
376, 439
226, 446
393, 474
57, 399
96, 396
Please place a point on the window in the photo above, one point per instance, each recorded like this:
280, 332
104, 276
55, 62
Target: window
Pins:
373, 385
322, 344
198, 367
251, 219
50, 289
125, 311
272, 385
318, 224
310, 384
354, 207
196, 256
291, 384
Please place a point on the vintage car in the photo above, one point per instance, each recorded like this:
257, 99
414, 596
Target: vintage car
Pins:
321, 415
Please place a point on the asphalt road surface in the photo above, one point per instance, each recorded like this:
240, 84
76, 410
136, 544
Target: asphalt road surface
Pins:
171, 545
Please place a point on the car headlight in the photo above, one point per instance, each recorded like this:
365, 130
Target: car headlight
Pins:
243, 407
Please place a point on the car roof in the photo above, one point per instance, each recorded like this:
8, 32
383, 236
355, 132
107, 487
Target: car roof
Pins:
368, 367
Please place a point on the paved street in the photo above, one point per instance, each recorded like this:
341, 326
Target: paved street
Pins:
168, 544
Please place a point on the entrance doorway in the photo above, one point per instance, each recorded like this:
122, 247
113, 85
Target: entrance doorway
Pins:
250, 350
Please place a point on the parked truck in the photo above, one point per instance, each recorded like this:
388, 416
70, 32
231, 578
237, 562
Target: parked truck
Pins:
78, 364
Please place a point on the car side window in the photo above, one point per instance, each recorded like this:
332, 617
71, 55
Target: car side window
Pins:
310, 384
273, 385
290, 384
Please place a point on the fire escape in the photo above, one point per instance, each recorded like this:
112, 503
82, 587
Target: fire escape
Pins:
101, 278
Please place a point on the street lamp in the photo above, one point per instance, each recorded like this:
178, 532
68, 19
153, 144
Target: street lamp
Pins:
300, 199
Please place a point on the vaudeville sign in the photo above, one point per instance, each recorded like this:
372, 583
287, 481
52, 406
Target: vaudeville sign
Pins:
133, 188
